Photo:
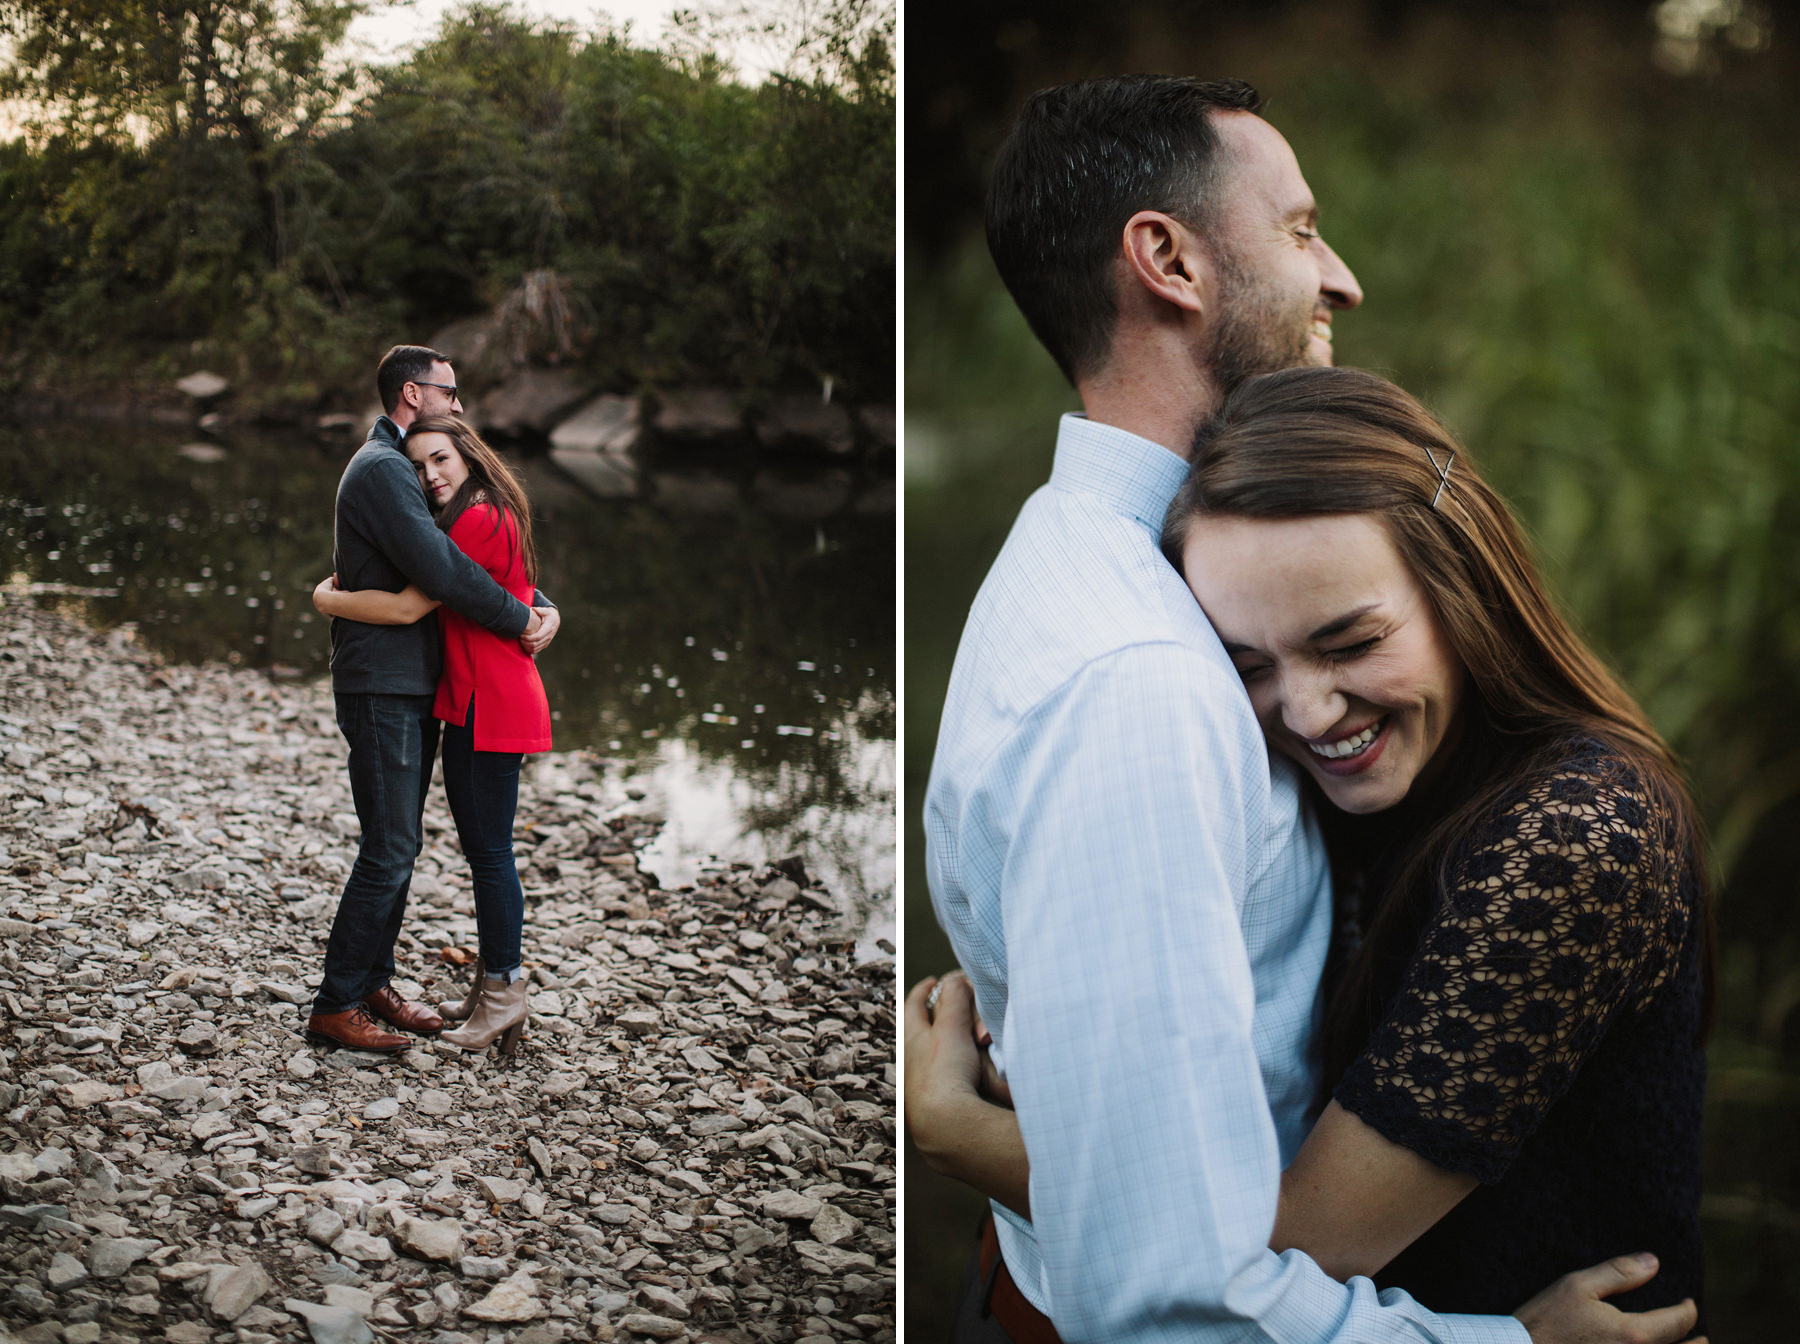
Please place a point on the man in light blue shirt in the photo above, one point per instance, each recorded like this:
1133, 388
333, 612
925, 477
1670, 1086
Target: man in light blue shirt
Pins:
1136, 892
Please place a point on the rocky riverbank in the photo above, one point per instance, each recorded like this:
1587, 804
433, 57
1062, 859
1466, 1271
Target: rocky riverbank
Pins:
695, 1141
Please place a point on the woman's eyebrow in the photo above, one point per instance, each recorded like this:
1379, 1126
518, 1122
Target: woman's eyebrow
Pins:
1342, 623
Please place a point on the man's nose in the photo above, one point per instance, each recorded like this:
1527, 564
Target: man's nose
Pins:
1336, 282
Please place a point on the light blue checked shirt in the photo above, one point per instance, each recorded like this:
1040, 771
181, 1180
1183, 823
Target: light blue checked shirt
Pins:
1143, 906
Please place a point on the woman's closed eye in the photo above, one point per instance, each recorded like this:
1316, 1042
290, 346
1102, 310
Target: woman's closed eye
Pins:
1351, 652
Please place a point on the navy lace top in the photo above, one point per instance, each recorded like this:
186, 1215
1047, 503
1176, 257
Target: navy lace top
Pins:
1545, 1038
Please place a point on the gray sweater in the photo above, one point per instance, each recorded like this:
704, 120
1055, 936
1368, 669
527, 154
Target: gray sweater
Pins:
385, 538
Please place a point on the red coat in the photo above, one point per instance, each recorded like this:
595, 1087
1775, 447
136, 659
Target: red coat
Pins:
512, 713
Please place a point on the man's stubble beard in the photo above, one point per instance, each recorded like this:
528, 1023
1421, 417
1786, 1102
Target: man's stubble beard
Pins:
1254, 334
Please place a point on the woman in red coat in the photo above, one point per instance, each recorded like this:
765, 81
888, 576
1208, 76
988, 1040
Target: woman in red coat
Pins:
489, 697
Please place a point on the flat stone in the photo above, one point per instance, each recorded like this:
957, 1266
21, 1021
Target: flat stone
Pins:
79, 1038
87, 1093
662, 1302
833, 1226
199, 1038
109, 1257
833, 1259
500, 1189
331, 1324
65, 1272
384, 1109
790, 1204
431, 1239
514, 1298
314, 1159
188, 1332
638, 1021
432, 1101
359, 1245
160, 1081
324, 1226
359, 1300
657, 1327
231, 1290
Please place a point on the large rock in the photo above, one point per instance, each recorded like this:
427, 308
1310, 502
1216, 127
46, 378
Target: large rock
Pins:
806, 422
699, 413
202, 385
604, 475
531, 401
607, 424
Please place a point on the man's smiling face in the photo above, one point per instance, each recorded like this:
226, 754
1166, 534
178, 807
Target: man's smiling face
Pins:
1279, 281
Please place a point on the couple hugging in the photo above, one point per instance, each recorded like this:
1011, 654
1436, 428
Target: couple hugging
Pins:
430, 518
1337, 916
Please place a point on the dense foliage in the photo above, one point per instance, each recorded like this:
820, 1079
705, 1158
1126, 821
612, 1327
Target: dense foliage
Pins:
203, 182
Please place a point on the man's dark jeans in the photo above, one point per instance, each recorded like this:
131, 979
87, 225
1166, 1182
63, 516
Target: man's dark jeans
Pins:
393, 742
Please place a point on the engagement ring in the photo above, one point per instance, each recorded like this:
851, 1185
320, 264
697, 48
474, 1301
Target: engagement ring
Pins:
932, 998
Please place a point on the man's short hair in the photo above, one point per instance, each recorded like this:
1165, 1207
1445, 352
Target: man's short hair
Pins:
402, 365
1082, 159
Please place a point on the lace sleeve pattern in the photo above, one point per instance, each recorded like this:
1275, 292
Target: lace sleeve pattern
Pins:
1566, 907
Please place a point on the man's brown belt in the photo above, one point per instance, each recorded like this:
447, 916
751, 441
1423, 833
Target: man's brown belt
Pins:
1023, 1323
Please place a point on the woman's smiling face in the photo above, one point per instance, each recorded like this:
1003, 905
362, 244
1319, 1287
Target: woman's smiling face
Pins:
440, 466
1345, 662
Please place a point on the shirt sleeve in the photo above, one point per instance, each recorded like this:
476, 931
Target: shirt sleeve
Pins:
395, 519
1128, 1027
1567, 908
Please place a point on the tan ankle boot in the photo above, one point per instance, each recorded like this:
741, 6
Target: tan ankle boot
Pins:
458, 1010
499, 1013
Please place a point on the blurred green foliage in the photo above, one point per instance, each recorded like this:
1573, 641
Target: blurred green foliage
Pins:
1590, 268
203, 185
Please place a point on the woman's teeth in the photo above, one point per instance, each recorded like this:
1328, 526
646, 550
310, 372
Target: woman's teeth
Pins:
1346, 746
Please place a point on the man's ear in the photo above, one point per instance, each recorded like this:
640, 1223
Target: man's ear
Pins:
1164, 257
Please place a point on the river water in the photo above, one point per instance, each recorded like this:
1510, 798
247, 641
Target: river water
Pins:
733, 664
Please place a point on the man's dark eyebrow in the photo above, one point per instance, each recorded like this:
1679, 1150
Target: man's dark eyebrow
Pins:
1341, 624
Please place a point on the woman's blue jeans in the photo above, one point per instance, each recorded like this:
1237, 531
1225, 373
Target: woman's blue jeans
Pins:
483, 789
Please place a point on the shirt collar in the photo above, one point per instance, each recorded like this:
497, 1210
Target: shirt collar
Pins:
1126, 470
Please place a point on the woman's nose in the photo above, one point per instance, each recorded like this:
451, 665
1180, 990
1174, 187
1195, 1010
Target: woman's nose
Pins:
1311, 705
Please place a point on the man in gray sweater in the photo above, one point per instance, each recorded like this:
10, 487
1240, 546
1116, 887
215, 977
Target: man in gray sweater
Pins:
384, 678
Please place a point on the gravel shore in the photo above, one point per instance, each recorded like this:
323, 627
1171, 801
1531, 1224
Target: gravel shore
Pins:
694, 1142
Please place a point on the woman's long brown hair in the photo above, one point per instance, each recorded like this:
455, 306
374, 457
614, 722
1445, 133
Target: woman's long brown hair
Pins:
488, 475
1314, 441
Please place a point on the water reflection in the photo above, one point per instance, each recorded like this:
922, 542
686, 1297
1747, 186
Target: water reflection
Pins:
738, 667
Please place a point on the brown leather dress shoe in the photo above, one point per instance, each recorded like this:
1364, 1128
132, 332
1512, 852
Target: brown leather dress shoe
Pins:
397, 1012
354, 1029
